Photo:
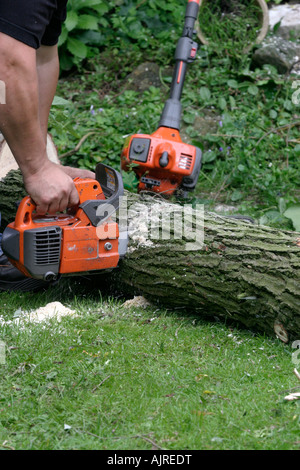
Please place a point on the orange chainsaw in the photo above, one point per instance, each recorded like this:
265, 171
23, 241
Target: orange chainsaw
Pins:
161, 161
82, 240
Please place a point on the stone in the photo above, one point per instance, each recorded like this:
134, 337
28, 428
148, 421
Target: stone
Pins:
145, 75
279, 52
288, 15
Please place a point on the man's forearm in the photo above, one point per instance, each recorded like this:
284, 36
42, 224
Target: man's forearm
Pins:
19, 117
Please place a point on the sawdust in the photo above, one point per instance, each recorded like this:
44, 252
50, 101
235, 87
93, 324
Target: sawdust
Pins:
137, 301
52, 310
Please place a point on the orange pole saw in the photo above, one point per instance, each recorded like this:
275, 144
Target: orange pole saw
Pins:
83, 240
161, 161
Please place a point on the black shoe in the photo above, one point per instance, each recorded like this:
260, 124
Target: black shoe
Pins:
11, 279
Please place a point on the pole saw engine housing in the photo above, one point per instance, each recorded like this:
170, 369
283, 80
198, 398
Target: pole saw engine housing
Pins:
161, 161
84, 240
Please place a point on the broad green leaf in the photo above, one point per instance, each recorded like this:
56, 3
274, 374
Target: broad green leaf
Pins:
222, 103
232, 84
101, 8
88, 22
204, 93
77, 48
273, 218
293, 213
58, 101
236, 195
232, 102
63, 37
276, 25
189, 118
288, 105
253, 90
209, 156
71, 21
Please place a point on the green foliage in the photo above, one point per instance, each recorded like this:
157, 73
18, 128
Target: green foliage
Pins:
93, 25
82, 30
250, 161
230, 25
252, 154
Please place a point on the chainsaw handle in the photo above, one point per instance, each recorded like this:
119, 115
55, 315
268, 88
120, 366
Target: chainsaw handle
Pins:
98, 201
25, 211
24, 216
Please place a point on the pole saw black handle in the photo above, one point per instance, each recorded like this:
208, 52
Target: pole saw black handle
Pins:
185, 53
191, 14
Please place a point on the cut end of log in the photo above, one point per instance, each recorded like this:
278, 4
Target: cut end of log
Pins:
281, 332
8, 162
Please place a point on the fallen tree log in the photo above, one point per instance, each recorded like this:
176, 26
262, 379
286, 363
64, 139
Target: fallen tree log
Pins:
214, 266
241, 271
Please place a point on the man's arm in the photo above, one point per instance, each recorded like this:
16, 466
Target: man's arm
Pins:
49, 186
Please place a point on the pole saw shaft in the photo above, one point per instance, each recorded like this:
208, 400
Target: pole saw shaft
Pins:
185, 53
162, 162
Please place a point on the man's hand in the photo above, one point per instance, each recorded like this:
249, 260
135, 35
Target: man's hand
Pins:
78, 172
51, 189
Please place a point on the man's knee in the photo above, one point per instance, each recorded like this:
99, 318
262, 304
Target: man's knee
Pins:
46, 54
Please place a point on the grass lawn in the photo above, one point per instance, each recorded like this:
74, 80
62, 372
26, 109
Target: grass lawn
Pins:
113, 377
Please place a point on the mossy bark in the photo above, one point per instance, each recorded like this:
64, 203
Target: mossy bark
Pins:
241, 271
11, 192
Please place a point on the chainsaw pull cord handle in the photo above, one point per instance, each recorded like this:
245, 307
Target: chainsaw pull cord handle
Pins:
185, 53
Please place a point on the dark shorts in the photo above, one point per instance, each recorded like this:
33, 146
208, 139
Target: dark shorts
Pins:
33, 22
